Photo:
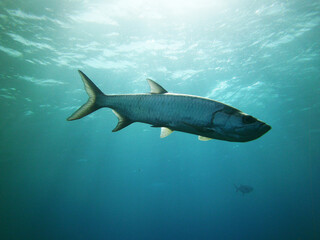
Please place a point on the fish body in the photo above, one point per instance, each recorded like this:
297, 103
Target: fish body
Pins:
201, 116
244, 189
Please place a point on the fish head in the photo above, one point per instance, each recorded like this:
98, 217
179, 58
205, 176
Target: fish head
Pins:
237, 126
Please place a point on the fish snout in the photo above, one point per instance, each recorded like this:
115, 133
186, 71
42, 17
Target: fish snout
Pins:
264, 128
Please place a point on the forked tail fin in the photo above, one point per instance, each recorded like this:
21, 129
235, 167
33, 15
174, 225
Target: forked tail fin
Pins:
237, 189
92, 104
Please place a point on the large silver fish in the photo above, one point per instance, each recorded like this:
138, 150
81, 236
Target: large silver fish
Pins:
204, 117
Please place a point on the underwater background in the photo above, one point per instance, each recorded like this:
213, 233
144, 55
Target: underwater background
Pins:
78, 180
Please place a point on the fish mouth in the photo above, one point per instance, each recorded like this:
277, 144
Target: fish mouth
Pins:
264, 128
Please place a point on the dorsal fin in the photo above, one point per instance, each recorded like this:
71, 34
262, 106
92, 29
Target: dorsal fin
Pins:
123, 121
155, 87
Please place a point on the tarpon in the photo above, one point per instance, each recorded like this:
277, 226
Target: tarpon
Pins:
201, 116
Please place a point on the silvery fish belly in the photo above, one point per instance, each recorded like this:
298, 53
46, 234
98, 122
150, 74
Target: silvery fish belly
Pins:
204, 117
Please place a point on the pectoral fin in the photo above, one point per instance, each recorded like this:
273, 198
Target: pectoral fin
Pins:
201, 138
123, 121
165, 132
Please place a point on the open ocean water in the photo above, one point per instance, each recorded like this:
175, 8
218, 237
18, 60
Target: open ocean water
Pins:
78, 180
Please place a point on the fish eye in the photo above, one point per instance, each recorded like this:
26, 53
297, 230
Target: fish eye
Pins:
248, 119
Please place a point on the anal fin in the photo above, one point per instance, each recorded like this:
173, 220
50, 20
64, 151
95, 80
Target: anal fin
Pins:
122, 123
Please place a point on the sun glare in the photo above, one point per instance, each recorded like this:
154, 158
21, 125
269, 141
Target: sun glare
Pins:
108, 13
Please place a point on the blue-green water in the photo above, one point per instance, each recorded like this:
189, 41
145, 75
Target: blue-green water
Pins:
78, 180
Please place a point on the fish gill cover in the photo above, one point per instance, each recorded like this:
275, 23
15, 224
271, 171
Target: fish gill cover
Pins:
62, 180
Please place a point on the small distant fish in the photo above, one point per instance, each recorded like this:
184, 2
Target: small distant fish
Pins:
204, 117
244, 189
138, 171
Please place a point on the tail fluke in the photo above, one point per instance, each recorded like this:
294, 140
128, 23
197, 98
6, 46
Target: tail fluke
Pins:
91, 105
237, 189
